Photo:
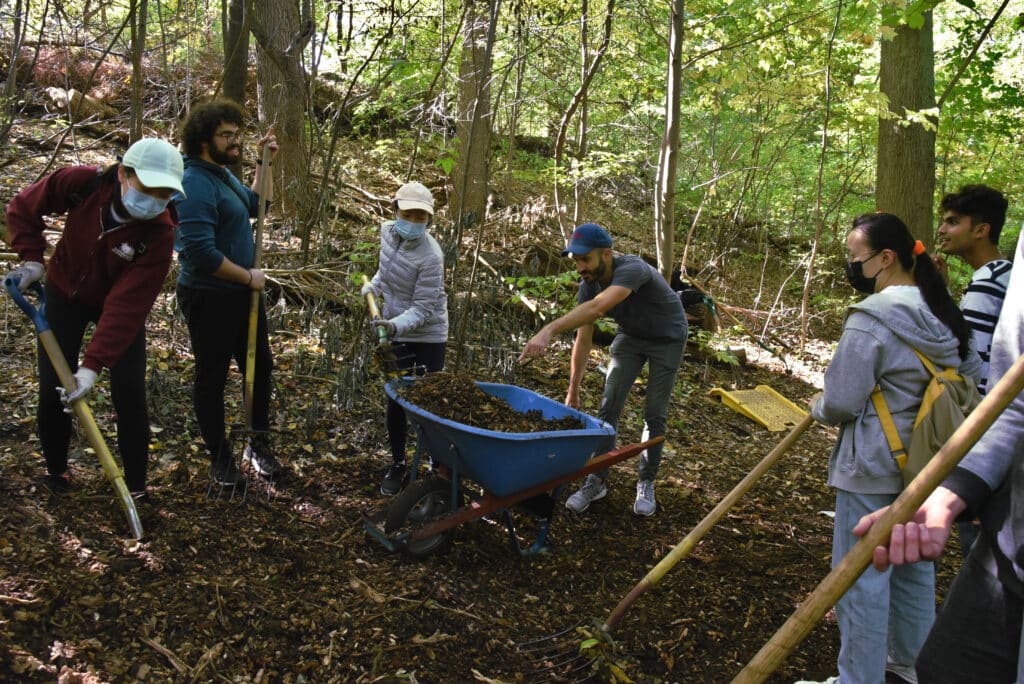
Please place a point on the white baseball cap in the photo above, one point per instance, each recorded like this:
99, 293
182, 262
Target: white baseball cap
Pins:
415, 196
157, 163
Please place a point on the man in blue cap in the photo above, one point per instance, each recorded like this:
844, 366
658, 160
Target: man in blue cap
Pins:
651, 329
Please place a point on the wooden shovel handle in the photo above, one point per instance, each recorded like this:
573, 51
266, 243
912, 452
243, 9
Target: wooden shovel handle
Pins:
835, 584
689, 542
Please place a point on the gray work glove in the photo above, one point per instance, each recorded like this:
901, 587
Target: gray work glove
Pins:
28, 272
369, 288
85, 379
388, 326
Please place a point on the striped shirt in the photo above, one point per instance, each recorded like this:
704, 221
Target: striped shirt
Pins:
981, 305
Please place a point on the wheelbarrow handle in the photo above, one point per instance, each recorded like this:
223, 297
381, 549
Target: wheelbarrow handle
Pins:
37, 314
85, 418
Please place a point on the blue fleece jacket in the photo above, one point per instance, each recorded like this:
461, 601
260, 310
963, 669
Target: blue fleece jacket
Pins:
214, 223
875, 349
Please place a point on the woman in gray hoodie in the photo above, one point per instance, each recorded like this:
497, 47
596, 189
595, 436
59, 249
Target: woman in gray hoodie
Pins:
885, 617
410, 280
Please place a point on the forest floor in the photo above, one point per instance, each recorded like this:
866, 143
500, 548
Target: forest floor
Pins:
286, 586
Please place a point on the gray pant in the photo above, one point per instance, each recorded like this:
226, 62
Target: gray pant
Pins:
628, 357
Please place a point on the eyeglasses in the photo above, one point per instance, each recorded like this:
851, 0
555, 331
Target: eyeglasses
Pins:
229, 136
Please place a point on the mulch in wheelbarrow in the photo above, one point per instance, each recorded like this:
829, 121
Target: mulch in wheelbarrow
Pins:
456, 397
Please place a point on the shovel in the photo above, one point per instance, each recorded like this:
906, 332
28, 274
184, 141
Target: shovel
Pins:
383, 352
80, 407
835, 584
254, 301
557, 657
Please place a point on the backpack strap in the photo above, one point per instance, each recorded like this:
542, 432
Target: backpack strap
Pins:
889, 427
933, 389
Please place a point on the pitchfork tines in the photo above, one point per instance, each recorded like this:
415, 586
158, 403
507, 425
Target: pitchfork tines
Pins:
574, 654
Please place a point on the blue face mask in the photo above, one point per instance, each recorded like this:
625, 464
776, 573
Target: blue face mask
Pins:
142, 206
409, 230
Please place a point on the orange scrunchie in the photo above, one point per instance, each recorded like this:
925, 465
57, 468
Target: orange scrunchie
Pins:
918, 248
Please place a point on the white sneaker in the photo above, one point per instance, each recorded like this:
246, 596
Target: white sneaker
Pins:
592, 490
645, 504
905, 672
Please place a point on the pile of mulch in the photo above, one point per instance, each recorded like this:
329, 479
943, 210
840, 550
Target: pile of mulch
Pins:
456, 397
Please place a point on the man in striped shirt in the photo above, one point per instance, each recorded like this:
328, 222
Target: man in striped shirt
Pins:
972, 219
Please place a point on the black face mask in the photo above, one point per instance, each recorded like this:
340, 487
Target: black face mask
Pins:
855, 274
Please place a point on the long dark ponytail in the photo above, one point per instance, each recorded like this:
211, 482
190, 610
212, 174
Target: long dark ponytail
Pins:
887, 231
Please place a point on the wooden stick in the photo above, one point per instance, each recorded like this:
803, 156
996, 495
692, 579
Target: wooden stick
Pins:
853, 564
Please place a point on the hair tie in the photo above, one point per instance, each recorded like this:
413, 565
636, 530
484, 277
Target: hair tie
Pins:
918, 248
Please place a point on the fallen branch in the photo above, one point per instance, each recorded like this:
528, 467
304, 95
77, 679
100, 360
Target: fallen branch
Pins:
177, 662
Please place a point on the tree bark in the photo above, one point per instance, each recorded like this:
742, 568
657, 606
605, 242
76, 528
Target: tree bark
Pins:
906, 149
474, 118
138, 26
282, 89
665, 193
236, 51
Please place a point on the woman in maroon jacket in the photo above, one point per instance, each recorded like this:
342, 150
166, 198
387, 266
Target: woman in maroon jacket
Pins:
107, 268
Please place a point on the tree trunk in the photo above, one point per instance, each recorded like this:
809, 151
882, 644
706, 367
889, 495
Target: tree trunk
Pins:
474, 117
138, 25
665, 193
581, 138
9, 99
906, 149
281, 84
236, 51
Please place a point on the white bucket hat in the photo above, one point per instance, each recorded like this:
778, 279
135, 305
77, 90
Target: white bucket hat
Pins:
157, 163
415, 196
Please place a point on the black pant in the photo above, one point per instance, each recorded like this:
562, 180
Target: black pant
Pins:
68, 322
218, 327
422, 357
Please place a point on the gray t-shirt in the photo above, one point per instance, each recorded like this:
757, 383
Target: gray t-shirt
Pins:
653, 310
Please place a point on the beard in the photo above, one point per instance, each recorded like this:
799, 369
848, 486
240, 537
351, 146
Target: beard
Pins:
596, 274
229, 155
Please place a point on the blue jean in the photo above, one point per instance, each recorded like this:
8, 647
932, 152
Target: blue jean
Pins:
629, 354
883, 613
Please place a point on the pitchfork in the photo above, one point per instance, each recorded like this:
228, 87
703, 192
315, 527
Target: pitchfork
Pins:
575, 660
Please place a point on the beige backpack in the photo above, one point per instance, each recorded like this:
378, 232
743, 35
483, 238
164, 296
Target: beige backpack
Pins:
947, 400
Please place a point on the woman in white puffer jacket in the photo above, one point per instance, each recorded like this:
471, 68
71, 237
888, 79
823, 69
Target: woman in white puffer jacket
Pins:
414, 308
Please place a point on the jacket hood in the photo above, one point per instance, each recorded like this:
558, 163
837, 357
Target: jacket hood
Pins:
902, 310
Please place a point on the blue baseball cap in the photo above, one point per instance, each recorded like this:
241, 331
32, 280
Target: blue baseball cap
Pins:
586, 237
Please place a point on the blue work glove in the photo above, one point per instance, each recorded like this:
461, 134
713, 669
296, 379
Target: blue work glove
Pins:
27, 273
85, 379
388, 326
369, 288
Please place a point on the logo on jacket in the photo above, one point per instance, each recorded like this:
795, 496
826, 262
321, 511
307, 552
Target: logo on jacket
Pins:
125, 251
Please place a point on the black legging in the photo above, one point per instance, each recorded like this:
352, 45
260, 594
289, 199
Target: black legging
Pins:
422, 357
68, 321
218, 324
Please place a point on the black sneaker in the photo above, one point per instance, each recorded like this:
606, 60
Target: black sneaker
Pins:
58, 484
224, 472
260, 458
394, 479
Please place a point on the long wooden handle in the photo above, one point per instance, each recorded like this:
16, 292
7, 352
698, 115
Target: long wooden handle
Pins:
254, 297
92, 431
371, 304
689, 542
835, 584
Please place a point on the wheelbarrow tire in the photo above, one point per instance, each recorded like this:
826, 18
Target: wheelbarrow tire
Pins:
420, 502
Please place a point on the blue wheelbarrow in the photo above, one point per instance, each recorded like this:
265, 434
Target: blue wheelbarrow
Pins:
477, 472
80, 407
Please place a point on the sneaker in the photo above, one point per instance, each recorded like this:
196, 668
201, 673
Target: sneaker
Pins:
58, 484
905, 672
259, 456
592, 490
645, 504
225, 472
394, 479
